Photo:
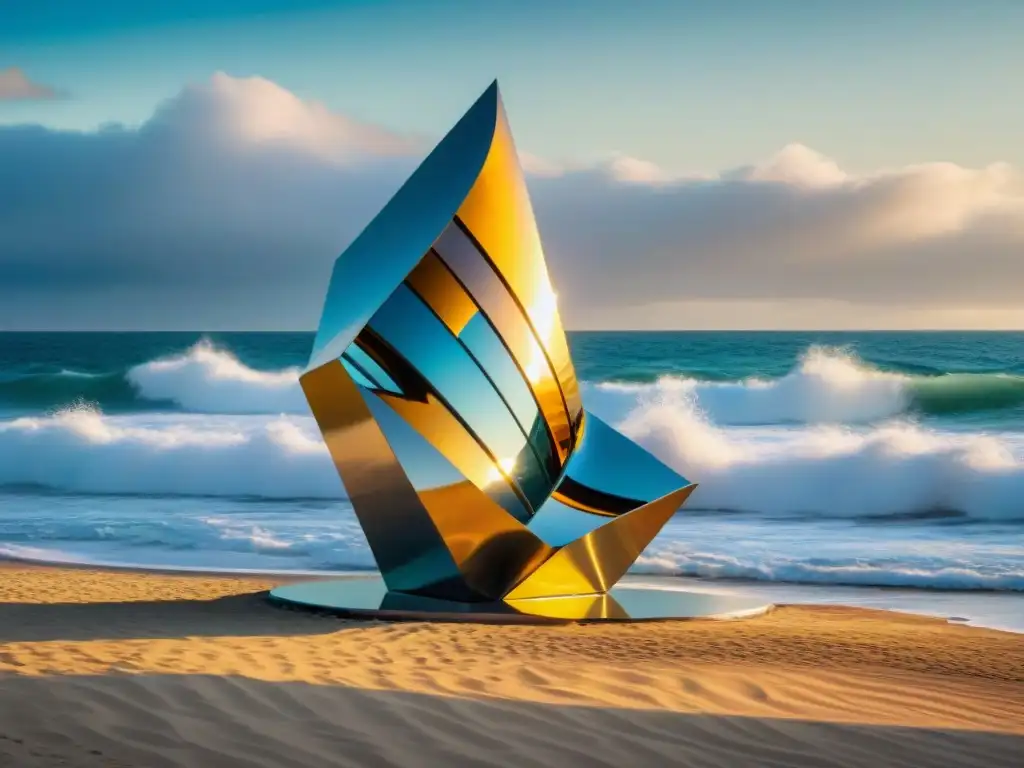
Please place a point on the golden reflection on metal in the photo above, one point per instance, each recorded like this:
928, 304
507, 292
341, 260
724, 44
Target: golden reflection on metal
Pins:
399, 531
438, 425
448, 514
582, 507
508, 319
436, 285
490, 547
574, 607
595, 561
498, 213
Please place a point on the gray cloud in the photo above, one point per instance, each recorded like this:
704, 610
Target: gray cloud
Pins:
228, 207
15, 86
791, 229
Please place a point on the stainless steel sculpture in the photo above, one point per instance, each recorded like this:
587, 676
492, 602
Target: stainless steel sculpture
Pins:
441, 380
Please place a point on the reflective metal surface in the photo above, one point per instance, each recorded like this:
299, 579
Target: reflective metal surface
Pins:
371, 597
442, 382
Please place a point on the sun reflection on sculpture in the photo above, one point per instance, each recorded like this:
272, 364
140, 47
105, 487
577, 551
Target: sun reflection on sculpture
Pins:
442, 382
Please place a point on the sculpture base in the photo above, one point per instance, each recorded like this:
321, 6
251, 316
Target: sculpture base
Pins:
369, 597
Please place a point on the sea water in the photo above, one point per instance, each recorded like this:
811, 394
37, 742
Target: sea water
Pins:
882, 469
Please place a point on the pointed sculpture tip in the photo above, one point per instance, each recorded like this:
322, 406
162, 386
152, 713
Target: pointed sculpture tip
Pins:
492, 91
489, 99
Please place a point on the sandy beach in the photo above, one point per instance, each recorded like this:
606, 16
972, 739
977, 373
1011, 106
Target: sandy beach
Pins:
107, 668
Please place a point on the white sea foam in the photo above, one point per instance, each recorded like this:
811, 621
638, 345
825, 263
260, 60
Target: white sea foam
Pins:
209, 380
831, 471
676, 559
247, 433
895, 469
82, 450
828, 385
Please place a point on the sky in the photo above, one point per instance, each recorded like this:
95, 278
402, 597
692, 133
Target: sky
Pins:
768, 164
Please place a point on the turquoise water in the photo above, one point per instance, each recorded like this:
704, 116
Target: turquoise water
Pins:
873, 459
971, 377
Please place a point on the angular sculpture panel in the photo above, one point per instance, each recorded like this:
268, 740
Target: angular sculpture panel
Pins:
441, 380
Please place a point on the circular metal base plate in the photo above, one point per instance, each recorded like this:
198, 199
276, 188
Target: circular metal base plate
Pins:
369, 597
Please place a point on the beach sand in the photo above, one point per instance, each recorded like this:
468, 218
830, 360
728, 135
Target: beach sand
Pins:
106, 668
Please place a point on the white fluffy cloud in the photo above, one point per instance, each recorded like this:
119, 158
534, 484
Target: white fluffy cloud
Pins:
15, 86
227, 208
796, 227
234, 114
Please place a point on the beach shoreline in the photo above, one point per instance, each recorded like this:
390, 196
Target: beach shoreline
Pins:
110, 667
999, 610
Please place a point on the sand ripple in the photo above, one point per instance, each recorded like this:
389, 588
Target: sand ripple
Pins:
121, 669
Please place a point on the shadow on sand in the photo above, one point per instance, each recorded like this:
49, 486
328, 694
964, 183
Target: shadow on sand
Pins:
235, 615
148, 720
172, 721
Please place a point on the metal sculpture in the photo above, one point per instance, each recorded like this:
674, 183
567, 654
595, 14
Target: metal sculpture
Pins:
441, 380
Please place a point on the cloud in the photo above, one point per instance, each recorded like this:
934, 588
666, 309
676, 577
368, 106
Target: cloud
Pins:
15, 86
793, 227
227, 208
231, 113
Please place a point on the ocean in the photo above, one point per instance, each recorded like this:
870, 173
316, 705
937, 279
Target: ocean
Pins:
879, 469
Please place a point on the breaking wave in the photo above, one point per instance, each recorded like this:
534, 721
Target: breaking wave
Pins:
203, 379
833, 386
893, 470
82, 450
834, 442
826, 386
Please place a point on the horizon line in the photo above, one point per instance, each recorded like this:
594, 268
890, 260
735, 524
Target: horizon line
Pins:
11, 331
